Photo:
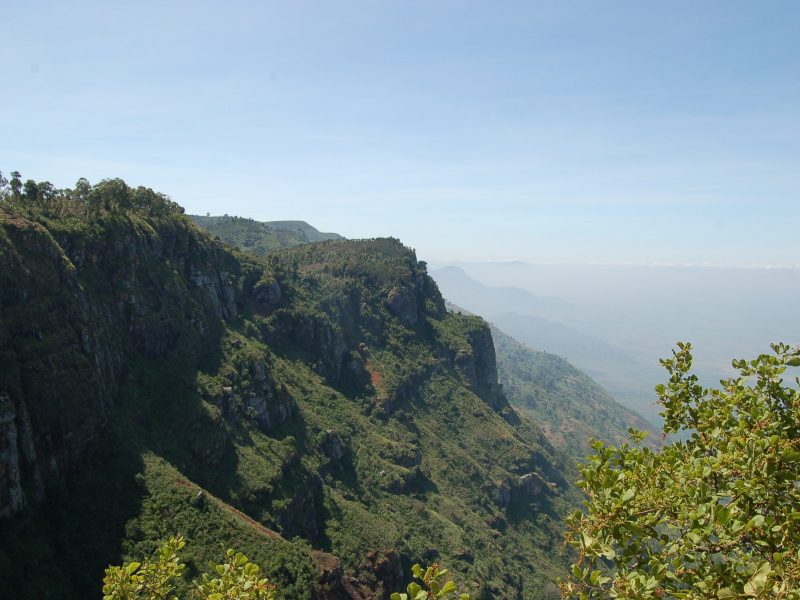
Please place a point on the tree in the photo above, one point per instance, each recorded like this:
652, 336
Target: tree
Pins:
433, 587
237, 578
16, 184
715, 516
148, 580
31, 190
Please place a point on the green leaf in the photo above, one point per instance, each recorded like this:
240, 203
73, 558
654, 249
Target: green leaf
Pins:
449, 587
131, 568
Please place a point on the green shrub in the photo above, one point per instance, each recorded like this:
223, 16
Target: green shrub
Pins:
715, 516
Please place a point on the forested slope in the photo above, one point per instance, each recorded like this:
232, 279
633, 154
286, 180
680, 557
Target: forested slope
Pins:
565, 402
261, 237
318, 409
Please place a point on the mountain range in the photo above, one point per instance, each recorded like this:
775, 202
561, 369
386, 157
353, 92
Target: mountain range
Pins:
317, 408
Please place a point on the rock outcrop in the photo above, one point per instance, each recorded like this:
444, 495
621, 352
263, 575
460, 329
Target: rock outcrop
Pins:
73, 307
322, 392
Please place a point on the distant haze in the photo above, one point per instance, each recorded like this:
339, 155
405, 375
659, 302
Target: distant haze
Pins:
584, 131
616, 321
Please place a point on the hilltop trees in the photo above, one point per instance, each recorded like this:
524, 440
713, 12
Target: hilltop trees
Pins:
717, 516
110, 196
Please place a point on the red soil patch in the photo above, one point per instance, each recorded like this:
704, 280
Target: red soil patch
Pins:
377, 380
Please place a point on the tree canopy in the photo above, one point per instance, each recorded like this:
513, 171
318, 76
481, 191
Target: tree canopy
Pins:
714, 516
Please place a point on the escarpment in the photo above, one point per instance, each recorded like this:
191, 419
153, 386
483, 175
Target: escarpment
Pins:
75, 307
156, 381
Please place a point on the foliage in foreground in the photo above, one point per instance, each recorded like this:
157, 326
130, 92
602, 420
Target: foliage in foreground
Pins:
433, 585
237, 579
717, 516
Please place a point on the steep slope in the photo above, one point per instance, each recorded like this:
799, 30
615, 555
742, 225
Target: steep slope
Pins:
158, 382
569, 406
565, 402
630, 380
537, 322
261, 237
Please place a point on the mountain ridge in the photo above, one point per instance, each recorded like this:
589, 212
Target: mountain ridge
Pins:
261, 237
567, 403
322, 391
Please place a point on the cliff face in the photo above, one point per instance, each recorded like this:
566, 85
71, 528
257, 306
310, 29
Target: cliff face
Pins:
322, 394
75, 305
61, 366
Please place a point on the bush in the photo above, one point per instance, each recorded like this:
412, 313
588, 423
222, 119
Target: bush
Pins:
716, 516
236, 579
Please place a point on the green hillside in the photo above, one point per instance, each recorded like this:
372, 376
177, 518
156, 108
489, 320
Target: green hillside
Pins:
261, 237
565, 402
569, 406
318, 409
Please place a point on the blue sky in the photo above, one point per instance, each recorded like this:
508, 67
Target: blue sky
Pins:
594, 131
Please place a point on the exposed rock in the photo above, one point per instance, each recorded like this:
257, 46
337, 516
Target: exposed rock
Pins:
403, 303
72, 311
332, 446
12, 498
329, 577
500, 493
382, 573
60, 368
269, 408
497, 522
479, 365
218, 290
302, 513
387, 567
531, 484
268, 294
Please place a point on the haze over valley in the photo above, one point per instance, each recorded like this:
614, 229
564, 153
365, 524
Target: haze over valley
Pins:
616, 321
325, 300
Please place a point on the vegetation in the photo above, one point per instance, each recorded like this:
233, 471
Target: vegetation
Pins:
315, 398
150, 580
570, 407
321, 402
433, 586
715, 516
42, 200
261, 237
237, 579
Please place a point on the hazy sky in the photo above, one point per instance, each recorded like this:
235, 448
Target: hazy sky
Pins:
546, 131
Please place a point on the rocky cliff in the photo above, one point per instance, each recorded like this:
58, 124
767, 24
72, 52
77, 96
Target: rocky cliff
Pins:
156, 381
76, 304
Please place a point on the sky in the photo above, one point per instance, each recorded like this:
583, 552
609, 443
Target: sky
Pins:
566, 132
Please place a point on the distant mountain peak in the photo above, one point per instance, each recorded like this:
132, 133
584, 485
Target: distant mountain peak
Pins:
458, 286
